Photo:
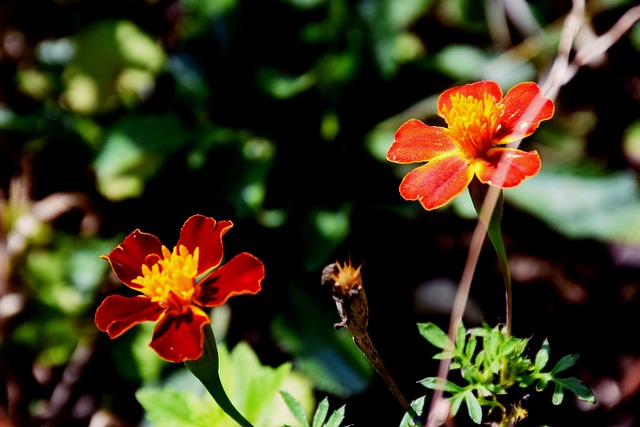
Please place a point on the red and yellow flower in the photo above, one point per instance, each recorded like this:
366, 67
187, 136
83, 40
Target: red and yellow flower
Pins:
480, 122
176, 285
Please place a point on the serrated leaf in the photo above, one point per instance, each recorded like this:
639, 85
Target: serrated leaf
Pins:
565, 363
436, 336
435, 383
296, 409
321, 413
473, 407
336, 418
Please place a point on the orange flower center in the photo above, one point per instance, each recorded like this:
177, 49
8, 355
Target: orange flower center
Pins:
171, 280
472, 122
347, 278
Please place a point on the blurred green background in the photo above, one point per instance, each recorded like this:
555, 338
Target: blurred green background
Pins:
277, 114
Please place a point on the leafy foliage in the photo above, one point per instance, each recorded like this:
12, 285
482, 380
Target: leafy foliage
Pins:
492, 364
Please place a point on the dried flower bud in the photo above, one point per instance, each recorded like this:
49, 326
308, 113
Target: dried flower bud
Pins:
345, 278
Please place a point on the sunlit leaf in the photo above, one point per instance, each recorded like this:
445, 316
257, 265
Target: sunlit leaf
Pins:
473, 407
542, 356
436, 336
435, 383
605, 207
252, 387
321, 413
296, 409
133, 151
336, 417
558, 394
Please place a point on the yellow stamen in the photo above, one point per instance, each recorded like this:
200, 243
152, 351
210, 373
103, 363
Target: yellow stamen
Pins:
472, 122
175, 274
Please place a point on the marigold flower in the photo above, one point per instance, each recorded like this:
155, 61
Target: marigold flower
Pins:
176, 285
479, 122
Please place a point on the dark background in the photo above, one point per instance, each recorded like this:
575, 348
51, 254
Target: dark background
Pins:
273, 114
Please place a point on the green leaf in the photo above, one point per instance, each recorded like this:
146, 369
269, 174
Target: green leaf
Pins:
473, 407
296, 409
508, 347
461, 337
435, 383
170, 408
542, 357
336, 417
606, 208
206, 369
542, 384
558, 394
436, 336
135, 149
471, 347
565, 363
408, 418
460, 61
444, 355
456, 400
321, 413
581, 391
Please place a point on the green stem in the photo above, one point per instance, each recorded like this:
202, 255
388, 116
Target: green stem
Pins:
478, 193
206, 370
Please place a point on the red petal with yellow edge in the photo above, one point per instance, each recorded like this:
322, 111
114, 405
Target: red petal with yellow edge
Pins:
475, 90
127, 258
205, 233
523, 108
118, 314
241, 275
417, 142
521, 165
178, 336
437, 182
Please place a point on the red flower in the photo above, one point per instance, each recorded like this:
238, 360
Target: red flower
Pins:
175, 285
480, 121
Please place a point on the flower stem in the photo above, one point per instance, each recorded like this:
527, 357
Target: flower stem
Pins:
206, 370
478, 193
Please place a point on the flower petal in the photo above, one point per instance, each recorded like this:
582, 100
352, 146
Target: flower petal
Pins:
475, 90
522, 165
178, 336
127, 258
437, 182
418, 142
205, 233
523, 108
118, 314
241, 275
